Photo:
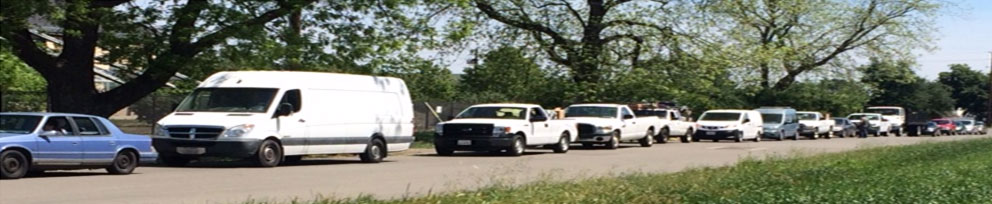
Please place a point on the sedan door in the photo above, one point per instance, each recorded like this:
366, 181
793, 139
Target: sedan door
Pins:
57, 144
99, 146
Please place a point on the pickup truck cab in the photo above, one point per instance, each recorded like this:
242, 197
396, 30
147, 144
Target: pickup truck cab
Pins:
672, 124
896, 117
813, 125
503, 127
611, 124
879, 125
738, 125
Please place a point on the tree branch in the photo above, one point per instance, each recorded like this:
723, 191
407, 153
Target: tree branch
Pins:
488, 9
26, 49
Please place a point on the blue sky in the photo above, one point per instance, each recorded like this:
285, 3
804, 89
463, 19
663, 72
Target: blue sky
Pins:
964, 37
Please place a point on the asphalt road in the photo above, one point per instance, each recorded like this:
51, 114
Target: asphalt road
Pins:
411, 175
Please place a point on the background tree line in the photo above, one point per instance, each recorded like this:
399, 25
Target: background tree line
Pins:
705, 54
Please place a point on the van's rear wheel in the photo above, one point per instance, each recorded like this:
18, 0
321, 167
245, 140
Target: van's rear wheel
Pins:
13, 164
563, 144
374, 152
269, 154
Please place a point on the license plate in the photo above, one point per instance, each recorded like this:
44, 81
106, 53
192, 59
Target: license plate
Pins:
710, 133
464, 142
191, 150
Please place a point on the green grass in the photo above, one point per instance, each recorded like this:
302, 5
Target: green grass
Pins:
423, 140
948, 172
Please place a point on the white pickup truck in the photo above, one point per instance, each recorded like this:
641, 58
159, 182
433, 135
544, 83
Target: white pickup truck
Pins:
672, 124
611, 124
814, 125
503, 127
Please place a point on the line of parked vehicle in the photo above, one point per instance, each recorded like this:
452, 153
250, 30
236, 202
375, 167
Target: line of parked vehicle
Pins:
271, 118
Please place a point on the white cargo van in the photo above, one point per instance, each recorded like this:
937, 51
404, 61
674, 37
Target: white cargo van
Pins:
270, 117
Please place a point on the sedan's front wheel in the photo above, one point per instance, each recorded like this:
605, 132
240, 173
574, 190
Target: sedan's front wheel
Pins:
124, 163
13, 164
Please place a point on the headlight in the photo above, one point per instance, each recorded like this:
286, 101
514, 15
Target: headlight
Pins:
239, 130
500, 130
439, 129
604, 129
159, 131
729, 126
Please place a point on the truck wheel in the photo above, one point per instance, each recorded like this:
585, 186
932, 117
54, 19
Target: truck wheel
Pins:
269, 154
443, 151
739, 137
899, 132
816, 134
781, 136
688, 136
562, 145
173, 161
796, 136
13, 164
830, 133
374, 152
694, 139
648, 139
663, 136
124, 163
518, 148
614, 142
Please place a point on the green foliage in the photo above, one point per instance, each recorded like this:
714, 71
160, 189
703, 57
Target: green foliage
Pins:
505, 73
947, 172
837, 97
15, 76
424, 79
895, 84
969, 87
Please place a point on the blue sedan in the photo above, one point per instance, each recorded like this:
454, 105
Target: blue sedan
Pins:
35, 142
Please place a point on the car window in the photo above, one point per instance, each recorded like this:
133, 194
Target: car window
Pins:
538, 113
86, 126
293, 98
59, 124
625, 112
672, 116
103, 128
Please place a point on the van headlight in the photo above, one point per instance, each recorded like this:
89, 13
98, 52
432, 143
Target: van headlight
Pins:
159, 131
238, 130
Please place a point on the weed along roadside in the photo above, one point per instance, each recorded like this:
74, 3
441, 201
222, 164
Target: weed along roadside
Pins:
943, 172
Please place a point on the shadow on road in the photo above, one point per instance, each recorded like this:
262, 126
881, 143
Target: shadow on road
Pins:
247, 164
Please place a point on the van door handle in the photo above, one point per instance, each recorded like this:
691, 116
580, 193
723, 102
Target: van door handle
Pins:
302, 120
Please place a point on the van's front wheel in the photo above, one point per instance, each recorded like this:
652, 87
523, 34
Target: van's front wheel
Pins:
269, 154
375, 152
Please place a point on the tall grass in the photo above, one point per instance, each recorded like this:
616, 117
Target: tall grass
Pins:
948, 172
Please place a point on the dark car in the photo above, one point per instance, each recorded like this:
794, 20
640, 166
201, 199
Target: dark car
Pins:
844, 128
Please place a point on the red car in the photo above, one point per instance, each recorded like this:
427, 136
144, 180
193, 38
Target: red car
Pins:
946, 126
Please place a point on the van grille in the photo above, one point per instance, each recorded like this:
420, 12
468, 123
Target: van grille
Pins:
195, 132
476, 130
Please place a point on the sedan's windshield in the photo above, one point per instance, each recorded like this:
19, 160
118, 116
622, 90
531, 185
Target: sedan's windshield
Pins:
771, 118
494, 113
806, 116
228, 100
19, 124
591, 111
858, 117
720, 117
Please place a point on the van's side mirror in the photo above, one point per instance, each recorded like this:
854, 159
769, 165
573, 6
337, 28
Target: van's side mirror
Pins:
49, 133
284, 109
746, 120
626, 117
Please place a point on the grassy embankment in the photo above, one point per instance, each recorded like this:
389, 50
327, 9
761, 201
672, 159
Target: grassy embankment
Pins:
948, 172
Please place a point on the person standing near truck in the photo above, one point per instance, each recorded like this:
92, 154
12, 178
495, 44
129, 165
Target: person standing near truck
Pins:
863, 127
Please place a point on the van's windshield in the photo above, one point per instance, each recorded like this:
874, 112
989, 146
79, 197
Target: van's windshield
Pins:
254, 100
713, 116
772, 118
